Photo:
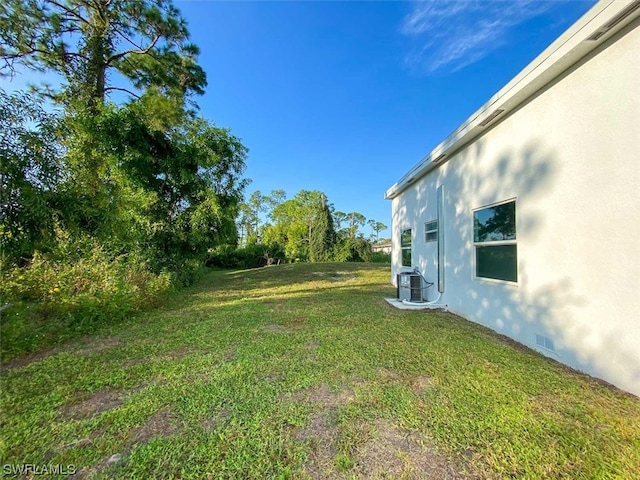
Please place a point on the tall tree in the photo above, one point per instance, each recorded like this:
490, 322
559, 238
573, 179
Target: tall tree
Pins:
145, 41
292, 223
275, 198
171, 193
323, 234
246, 221
376, 227
339, 218
249, 221
92, 45
356, 220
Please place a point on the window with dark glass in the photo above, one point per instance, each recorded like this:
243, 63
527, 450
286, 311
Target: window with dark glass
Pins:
494, 237
405, 246
431, 231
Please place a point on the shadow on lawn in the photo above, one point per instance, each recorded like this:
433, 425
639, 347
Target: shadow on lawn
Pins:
268, 282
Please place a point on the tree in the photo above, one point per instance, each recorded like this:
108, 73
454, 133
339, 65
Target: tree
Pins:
354, 250
292, 223
246, 220
323, 234
30, 172
275, 198
249, 221
92, 43
339, 218
376, 227
172, 194
355, 220
144, 41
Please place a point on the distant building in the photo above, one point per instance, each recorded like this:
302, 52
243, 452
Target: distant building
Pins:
527, 217
381, 247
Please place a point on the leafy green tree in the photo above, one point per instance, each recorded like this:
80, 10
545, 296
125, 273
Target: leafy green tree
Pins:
376, 227
188, 184
339, 218
246, 221
145, 41
142, 48
354, 250
356, 220
249, 219
275, 198
323, 234
30, 172
292, 223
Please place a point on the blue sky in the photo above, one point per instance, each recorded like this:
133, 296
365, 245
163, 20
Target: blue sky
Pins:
345, 97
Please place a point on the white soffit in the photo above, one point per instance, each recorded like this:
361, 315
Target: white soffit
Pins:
596, 26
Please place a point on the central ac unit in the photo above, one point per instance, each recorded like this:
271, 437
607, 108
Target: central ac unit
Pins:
410, 286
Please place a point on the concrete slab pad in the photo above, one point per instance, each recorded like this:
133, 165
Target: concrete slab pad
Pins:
394, 302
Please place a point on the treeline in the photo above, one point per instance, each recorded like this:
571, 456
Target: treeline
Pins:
118, 191
105, 205
304, 228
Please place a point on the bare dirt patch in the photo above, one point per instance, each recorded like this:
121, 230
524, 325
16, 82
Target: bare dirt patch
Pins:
97, 403
275, 377
394, 453
388, 374
323, 396
132, 362
295, 323
312, 349
387, 452
92, 345
178, 354
321, 433
88, 472
163, 423
322, 430
211, 423
275, 328
25, 360
420, 384
229, 355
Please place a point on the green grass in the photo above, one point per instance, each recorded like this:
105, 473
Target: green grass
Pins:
297, 370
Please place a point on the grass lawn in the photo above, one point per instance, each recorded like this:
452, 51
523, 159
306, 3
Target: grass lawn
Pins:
303, 371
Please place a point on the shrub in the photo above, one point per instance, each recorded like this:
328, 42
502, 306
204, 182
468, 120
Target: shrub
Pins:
250, 256
76, 290
354, 250
381, 257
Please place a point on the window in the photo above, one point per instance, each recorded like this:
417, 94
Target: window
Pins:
431, 231
405, 245
494, 239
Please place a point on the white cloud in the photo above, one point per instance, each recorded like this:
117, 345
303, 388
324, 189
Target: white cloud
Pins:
452, 34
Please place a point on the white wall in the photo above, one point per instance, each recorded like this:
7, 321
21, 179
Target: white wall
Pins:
571, 158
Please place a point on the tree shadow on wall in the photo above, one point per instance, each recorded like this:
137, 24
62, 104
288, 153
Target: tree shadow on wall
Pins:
548, 306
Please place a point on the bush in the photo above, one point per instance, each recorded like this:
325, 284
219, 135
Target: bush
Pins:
75, 290
381, 257
250, 256
354, 250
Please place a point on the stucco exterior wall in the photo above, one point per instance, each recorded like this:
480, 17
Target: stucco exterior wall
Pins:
571, 159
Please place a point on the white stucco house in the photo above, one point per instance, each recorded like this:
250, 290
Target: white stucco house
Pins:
527, 217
